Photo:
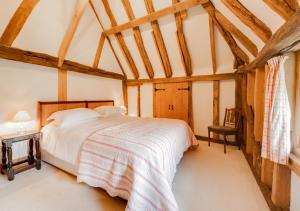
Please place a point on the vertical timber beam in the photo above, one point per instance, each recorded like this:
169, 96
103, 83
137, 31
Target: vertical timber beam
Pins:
212, 44
62, 85
125, 95
139, 100
281, 187
250, 102
216, 105
216, 84
159, 41
238, 105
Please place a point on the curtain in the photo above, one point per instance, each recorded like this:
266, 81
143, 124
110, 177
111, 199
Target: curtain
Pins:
277, 116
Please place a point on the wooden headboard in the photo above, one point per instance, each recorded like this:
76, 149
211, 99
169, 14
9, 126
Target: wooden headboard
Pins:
45, 109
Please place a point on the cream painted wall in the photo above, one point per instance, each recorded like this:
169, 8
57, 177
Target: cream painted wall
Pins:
21, 87
87, 87
295, 193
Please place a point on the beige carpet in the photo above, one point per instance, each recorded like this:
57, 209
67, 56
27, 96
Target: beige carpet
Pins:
206, 180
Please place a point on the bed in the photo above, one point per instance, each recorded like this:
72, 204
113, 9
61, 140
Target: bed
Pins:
133, 158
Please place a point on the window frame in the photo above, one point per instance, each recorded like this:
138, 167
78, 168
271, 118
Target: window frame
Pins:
296, 132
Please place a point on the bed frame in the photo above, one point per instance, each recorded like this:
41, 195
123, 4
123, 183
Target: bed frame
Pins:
45, 109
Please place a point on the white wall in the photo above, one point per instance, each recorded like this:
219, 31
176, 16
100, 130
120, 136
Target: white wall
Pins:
21, 87
295, 193
88, 87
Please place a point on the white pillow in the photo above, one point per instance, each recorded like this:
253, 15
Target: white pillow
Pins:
68, 117
108, 111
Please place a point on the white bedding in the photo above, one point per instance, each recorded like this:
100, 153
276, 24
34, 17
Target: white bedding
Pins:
134, 158
65, 143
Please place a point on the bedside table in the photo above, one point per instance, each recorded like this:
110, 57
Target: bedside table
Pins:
8, 165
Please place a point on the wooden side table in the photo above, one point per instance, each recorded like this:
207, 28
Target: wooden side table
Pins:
7, 141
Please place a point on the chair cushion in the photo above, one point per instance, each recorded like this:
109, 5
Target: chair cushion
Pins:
222, 129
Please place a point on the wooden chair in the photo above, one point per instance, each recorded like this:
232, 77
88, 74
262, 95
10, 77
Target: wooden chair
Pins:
230, 126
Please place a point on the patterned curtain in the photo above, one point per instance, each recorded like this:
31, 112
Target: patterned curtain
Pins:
277, 116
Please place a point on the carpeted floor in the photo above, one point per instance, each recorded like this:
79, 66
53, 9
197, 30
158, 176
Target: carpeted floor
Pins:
206, 180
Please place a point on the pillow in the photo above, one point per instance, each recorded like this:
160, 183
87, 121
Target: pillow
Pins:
108, 111
68, 117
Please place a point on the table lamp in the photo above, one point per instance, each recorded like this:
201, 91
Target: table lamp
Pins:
22, 117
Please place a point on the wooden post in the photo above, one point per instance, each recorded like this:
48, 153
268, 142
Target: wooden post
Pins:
259, 103
281, 187
238, 104
62, 85
125, 95
216, 106
267, 172
139, 100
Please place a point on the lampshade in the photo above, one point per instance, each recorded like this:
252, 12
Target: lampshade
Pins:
22, 116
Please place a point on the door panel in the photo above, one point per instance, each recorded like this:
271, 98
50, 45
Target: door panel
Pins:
171, 100
161, 101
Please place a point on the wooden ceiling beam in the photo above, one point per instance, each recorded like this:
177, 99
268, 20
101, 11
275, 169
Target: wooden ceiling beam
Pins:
284, 8
64, 46
293, 4
184, 51
46, 60
108, 39
250, 20
230, 27
212, 44
214, 77
17, 22
121, 41
286, 39
238, 53
179, 7
139, 40
99, 51
159, 41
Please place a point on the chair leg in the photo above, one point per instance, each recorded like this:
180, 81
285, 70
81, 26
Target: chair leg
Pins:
209, 138
238, 141
225, 143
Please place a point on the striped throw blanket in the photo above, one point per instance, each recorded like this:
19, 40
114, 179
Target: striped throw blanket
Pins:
276, 132
136, 161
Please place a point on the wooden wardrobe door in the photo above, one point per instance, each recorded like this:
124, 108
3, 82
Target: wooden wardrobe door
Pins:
180, 101
172, 100
162, 101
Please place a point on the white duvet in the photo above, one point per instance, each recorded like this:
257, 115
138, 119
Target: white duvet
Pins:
134, 158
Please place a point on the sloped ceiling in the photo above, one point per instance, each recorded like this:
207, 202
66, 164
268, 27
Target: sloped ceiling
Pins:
45, 28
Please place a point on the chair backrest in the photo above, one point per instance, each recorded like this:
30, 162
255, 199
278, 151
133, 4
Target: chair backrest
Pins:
232, 118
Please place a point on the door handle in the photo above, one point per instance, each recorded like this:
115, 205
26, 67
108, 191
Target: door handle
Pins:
169, 107
172, 107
